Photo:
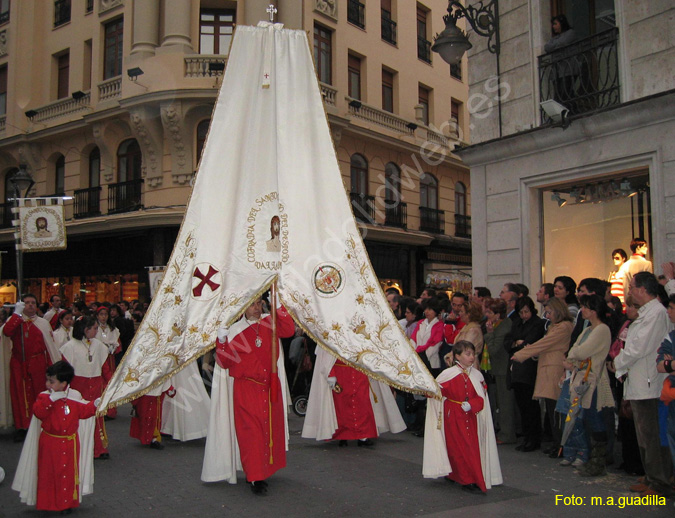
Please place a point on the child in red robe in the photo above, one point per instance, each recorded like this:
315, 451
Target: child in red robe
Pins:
459, 439
59, 463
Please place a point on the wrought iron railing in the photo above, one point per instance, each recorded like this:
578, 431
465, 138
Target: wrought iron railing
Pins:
388, 28
89, 7
4, 16
395, 214
356, 13
462, 225
87, 202
61, 12
432, 220
424, 49
456, 71
583, 76
363, 207
125, 196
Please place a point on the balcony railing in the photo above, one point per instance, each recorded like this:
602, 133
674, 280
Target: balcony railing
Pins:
89, 8
383, 118
125, 196
62, 107
462, 225
432, 220
456, 71
198, 65
388, 28
424, 49
356, 13
87, 202
328, 93
4, 16
6, 214
583, 76
395, 214
363, 207
110, 89
61, 12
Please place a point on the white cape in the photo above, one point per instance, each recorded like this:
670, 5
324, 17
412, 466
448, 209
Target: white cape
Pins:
321, 420
435, 462
221, 455
25, 480
185, 417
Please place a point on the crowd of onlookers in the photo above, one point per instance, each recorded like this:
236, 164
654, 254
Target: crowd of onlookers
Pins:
576, 365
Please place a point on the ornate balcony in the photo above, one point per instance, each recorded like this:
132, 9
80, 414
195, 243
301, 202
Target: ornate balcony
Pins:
383, 118
61, 108
462, 225
110, 89
432, 220
198, 65
328, 93
583, 76
87, 202
363, 207
395, 214
125, 196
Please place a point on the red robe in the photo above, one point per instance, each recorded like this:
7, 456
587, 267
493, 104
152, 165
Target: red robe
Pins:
353, 409
110, 336
258, 403
147, 421
461, 431
27, 379
59, 451
87, 383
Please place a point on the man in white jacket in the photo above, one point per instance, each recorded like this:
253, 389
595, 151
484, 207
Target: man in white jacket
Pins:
643, 383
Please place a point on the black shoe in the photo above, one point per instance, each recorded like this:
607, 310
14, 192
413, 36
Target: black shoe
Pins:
259, 487
549, 450
530, 446
556, 454
520, 447
419, 434
67, 511
367, 442
156, 445
20, 435
472, 488
343, 444
104, 456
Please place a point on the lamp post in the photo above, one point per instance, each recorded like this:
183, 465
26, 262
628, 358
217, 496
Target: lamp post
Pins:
452, 43
21, 182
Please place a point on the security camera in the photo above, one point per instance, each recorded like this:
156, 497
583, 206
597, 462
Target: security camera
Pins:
556, 111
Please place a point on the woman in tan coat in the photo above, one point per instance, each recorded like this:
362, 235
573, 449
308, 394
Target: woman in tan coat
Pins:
551, 351
472, 315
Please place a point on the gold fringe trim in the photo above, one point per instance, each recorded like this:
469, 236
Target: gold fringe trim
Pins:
367, 372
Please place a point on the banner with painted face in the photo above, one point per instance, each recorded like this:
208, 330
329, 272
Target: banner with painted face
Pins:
269, 204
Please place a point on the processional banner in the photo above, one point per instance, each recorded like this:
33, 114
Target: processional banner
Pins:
269, 204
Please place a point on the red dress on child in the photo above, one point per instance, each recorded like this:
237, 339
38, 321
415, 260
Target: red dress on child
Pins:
461, 431
59, 451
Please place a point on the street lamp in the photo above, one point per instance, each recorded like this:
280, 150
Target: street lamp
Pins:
21, 182
452, 43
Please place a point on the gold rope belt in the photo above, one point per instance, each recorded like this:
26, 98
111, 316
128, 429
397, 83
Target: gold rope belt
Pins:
77, 471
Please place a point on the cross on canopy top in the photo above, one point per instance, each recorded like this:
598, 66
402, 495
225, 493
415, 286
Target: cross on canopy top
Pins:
271, 10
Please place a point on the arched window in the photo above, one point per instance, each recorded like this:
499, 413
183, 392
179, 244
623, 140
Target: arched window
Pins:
60, 175
392, 182
428, 191
460, 199
95, 167
129, 161
359, 175
202, 130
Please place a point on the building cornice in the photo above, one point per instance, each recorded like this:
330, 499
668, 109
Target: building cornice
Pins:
617, 119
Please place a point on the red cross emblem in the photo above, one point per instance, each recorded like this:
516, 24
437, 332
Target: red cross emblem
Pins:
267, 76
205, 280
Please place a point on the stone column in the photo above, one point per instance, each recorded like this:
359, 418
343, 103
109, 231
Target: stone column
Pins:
146, 28
177, 26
